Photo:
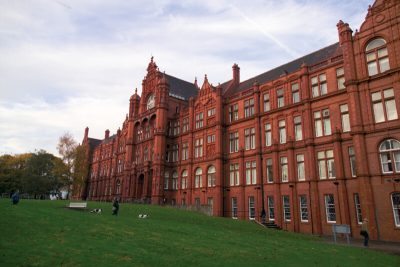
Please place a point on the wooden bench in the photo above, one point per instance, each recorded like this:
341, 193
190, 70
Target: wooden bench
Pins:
77, 205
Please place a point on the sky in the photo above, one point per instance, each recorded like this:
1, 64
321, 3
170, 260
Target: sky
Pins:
68, 64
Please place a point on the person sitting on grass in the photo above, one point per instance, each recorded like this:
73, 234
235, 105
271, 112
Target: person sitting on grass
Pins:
115, 207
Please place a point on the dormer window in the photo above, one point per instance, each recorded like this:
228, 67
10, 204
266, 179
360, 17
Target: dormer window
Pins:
377, 57
150, 102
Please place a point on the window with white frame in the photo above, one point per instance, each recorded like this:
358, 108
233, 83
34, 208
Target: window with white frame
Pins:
234, 208
252, 209
199, 120
318, 85
211, 112
185, 125
118, 187
211, 138
249, 107
251, 172
234, 174
184, 179
166, 180
340, 78
233, 112
295, 93
198, 148
287, 216
384, 105
150, 102
284, 170
389, 151
344, 113
330, 208
377, 56
268, 134
198, 178
322, 123
357, 205
176, 127
326, 164
280, 97
271, 208
270, 171
250, 138
352, 159
298, 132
282, 131
267, 105
174, 180
300, 167
303, 208
211, 176
234, 142
396, 208
185, 151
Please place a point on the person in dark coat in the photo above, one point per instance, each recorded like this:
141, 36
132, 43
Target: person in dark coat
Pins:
365, 231
115, 207
15, 197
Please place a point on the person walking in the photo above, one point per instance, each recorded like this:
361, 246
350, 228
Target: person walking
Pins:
115, 207
15, 197
365, 232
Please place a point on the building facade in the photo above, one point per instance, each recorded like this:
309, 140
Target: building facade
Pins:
311, 143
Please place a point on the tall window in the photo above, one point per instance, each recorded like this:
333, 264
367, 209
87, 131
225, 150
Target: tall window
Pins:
330, 208
318, 85
286, 208
251, 172
211, 112
233, 113
284, 169
166, 180
268, 134
150, 102
390, 156
271, 208
174, 180
340, 78
300, 168
184, 179
233, 142
234, 174
267, 105
280, 98
352, 158
185, 151
270, 172
357, 205
282, 132
175, 152
199, 120
234, 208
303, 208
344, 113
185, 125
118, 187
384, 106
298, 133
198, 148
295, 93
198, 178
377, 56
210, 138
145, 153
322, 123
396, 208
252, 209
326, 164
211, 176
249, 107
250, 138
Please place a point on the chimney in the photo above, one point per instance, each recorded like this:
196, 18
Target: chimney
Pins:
107, 135
236, 73
86, 133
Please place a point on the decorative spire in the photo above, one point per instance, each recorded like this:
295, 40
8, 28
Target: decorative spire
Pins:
195, 82
135, 91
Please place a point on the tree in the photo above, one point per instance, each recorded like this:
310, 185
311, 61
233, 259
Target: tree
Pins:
12, 172
66, 148
81, 169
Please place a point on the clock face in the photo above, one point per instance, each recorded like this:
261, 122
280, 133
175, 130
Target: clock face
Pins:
150, 102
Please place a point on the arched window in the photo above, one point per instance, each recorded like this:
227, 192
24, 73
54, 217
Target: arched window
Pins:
175, 180
396, 208
118, 187
184, 179
197, 178
390, 156
150, 102
377, 56
166, 180
211, 176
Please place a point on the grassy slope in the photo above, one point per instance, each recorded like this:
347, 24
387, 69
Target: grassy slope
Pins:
44, 233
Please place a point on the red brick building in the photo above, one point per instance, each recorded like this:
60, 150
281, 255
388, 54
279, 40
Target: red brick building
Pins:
313, 142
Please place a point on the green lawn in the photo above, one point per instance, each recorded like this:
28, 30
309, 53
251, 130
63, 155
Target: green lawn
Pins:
44, 233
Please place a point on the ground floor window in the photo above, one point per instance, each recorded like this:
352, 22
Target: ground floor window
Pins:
210, 203
252, 209
271, 208
330, 208
303, 208
286, 208
197, 202
396, 208
357, 205
234, 208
